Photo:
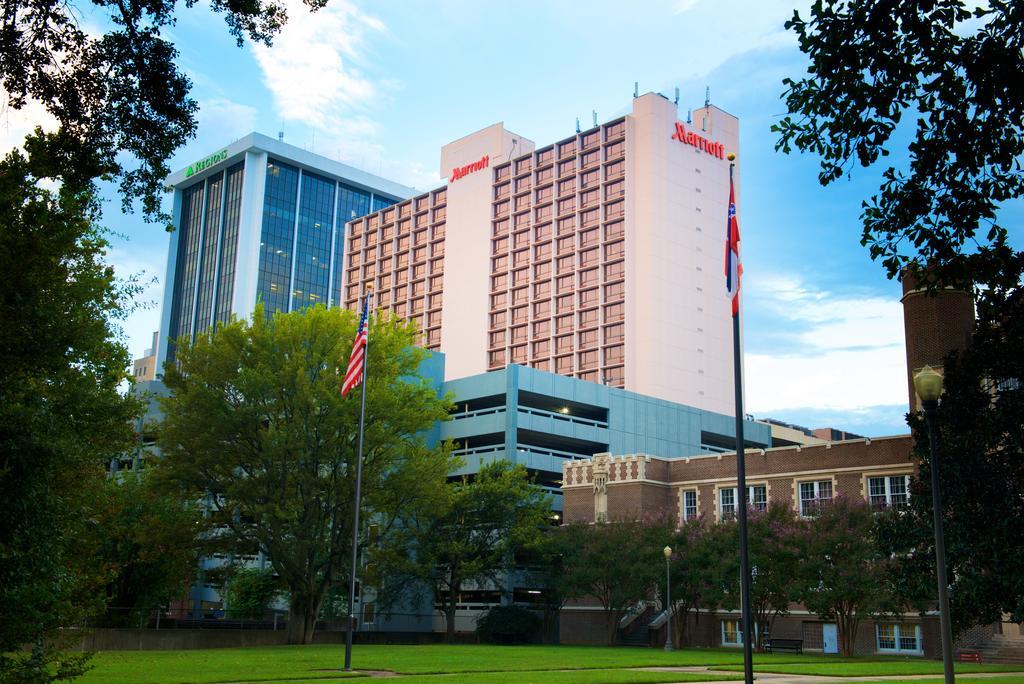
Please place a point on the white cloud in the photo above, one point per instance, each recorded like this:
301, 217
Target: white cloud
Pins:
845, 351
683, 6
15, 124
312, 67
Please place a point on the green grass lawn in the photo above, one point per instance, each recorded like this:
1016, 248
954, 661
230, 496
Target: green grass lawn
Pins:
482, 663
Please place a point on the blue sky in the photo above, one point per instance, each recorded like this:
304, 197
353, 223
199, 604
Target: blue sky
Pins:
383, 86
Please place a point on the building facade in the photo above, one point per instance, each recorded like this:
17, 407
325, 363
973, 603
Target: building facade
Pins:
264, 221
597, 257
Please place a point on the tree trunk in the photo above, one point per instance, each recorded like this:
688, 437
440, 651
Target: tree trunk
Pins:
612, 623
302, 614
847, 627
449, 621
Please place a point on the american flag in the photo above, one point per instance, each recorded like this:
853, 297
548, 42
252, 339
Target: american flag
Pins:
354, 373
733, 267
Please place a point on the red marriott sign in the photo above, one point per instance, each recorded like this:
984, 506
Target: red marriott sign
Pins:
462, 171
700, 142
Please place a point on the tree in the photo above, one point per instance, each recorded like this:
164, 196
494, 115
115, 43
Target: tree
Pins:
953, 71
120, 101
703, 565
149, 542
774, 539
845, 574
469, 534
61, 416
256, 424
618, 563
249, 591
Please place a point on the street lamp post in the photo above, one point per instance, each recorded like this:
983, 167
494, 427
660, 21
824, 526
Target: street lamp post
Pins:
928, 385
668, 597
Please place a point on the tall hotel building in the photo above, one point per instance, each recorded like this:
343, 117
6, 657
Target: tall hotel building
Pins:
260, 220
599, 256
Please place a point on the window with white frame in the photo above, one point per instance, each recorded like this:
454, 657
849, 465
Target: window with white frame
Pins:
893, 637
689, 506
732, 633
813, 495
757, 496
889, 492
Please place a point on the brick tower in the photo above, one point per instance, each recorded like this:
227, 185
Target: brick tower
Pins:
934, 325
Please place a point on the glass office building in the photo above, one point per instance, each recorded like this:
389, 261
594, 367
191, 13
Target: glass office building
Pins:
260, 221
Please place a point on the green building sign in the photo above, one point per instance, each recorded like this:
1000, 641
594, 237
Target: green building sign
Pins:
204, 164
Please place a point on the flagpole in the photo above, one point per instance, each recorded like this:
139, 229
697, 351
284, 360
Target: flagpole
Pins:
741, 479
356, 502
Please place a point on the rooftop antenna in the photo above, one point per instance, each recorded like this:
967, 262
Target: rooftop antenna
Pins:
677, 96
636, 88
280, 136
707, 96
689, 116
594, 112
577, 124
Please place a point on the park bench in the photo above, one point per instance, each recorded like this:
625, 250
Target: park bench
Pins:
792, 645
968, 655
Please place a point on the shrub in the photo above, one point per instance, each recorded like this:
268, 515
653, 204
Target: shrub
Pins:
508, 625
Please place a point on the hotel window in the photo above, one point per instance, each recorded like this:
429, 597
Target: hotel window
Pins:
588, 338
589, 179
588, 278
563, 324
520, 277
567, 148
613, 292
439, 214
496, 358
589, 198
542, 309
898, 638
499, 245
544, 175
440, 196
589, 376
689, 504
567, 186
566, 244
418, 289
757, 497
499, 319
519, 334
437, 233
435, 300
400, 309
567, 167
613, 354
420, 220
519, 315
387, 232
403, 243
543, 213
541, 348
614, 250
564, 303
566, 206
813, 495
542, 251
564, 283
588, 298
501, 208
614, 170
614, 150
436, 282
590, 139
614, 211
501, 227
436, 266
520, 258
589, 238
588, 257
614, 376
563, 343
563, 365
519, 204
542, 328
541, 233
614, 190
589, 217
566, 225
502, 172
542, 289
519, 296
888, 492
433, 337
614, 271
502, 191
384, 282
544, 156
417, 304
588, 360
590, 158
499, 263
385, 298
615, 130
401, 292
588, 319
614, 312
419, 237
523, 165
499, 301
520, 239
434, 318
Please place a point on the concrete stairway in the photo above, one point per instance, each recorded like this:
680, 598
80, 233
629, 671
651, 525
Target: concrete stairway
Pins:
1003, 648
640, 632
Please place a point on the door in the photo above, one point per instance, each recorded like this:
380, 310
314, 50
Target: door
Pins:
829, 638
